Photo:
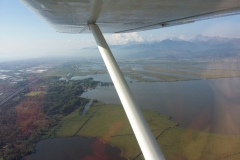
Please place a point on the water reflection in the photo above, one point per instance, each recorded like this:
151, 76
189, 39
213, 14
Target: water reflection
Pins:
207, 105
227, 105
74, 148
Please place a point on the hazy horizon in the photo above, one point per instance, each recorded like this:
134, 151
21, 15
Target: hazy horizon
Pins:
25, 35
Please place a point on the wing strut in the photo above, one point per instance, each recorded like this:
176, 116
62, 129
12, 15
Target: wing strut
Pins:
145, 138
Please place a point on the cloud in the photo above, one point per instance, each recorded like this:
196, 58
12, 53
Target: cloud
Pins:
184, 37
124, 38
154, 38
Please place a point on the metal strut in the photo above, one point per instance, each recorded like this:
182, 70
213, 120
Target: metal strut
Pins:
144, 135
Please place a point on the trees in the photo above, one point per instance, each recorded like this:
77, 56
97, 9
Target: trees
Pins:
25, 120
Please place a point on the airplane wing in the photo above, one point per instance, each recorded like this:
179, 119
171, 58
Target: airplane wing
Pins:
118, 16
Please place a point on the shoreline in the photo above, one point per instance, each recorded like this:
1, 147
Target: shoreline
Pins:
55, 141
163, 135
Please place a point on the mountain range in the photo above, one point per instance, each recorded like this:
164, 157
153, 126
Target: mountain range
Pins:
200, 47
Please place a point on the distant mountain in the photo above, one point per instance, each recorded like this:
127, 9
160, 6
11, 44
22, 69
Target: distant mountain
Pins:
201, 38
200, 47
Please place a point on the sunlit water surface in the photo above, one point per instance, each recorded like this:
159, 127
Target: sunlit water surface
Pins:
74, 148
208, 105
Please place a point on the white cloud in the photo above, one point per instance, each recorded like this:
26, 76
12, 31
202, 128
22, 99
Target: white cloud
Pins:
161, 37
184, 37
152, 38
124, 38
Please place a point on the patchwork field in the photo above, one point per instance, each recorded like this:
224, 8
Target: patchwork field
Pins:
34, 93
181, 71
109, 123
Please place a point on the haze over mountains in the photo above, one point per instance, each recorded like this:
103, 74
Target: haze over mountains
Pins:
200, 47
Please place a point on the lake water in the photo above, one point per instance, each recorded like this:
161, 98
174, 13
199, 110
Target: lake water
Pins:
86, 107
74, 148
209, 105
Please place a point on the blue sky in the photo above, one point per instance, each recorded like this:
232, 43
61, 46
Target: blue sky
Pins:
23, 34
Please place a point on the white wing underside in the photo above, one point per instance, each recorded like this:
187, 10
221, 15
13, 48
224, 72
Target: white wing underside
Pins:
116, 16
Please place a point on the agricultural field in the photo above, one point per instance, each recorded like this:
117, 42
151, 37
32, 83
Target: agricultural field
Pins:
176, 142
154, 71
34, 93
52, 108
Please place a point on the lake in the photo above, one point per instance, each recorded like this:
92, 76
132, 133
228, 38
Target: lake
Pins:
211, 105
74, 148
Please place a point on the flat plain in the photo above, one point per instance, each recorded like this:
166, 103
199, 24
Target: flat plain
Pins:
109, 123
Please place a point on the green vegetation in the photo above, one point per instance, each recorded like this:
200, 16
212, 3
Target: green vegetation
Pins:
181, 71
168, 71
31, 117
200, 72
166, 78
139, 75
62, 71
113, 128
180, 143
34, 93
110, 124
89, 72
22, 83
74, 70
52, 108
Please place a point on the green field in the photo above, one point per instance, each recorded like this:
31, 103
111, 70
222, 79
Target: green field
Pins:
61, 72
109, 123
158, 69
200, 72
182, 71
34, 93
138, 75
89, 72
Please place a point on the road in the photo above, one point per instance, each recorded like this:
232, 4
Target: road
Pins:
16, 92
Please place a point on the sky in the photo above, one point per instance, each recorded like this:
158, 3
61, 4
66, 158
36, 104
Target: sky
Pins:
24, 35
